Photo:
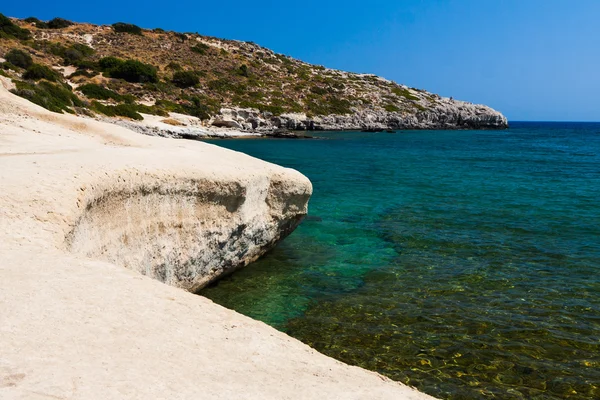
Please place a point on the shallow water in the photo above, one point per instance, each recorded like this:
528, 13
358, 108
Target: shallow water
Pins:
464, 263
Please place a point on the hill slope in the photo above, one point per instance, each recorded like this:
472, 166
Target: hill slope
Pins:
122, 70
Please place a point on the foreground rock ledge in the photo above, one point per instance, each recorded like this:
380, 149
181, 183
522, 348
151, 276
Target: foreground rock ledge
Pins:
79, 201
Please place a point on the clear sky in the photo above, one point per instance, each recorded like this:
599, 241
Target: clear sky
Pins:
530, 59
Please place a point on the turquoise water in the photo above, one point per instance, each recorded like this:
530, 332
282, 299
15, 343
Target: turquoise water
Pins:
464, 263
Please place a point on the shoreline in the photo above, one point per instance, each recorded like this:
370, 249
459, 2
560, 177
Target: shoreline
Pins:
76, 323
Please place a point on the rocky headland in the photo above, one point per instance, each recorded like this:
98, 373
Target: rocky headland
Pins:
189, 85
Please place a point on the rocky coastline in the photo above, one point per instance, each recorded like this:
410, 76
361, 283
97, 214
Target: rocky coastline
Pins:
448, 114
100, 230
246, 122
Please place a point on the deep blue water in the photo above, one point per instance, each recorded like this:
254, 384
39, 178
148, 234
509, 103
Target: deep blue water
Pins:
465, 263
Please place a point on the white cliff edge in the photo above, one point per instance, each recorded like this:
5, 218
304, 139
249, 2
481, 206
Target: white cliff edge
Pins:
80, 201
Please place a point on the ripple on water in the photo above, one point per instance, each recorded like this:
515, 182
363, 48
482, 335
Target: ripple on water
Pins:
466, 264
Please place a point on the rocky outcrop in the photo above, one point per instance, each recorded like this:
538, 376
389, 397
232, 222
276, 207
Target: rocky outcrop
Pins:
447, 114
184, 215
81, 199
188, 231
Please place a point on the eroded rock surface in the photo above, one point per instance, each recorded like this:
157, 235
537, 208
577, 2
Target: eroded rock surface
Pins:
80, 200
446, 114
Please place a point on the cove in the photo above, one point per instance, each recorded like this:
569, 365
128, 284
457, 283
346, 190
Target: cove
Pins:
464, 263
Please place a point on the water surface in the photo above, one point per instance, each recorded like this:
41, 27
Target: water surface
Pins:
464, 263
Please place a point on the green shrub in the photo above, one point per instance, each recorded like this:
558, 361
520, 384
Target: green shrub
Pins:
19, 58
159, 86
185, 79
6, 66
9, 30
72, 55
174, 66
154, 110
37, 71
121, 110
158, 30
391, 108
107, 63
37, 22
181, 36
88, 64
127, 28
404, 93
59, 23
243, 71
199, 109
130, 70
224, 85
200, 48
170, 106
53, 97
329, 105
94, 91
83, 72
318, 90
76, 53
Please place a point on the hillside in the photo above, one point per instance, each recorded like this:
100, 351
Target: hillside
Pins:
123, 71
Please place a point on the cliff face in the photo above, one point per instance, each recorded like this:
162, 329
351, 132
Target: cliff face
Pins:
183, 230
184, 215
447, 114
226, 84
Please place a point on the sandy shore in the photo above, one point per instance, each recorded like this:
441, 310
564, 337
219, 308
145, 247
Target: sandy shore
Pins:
75, 326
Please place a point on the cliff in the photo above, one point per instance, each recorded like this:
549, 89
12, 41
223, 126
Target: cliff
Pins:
241, 86
86, 210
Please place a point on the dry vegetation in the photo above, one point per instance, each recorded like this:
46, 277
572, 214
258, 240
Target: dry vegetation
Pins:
188, 73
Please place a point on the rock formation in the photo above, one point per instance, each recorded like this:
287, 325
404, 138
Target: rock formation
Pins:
82, 199
203, 213
225, 84
447, 114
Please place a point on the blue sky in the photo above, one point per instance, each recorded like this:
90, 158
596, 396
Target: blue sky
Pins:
530, 59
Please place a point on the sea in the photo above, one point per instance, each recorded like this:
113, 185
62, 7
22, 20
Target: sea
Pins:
463, 263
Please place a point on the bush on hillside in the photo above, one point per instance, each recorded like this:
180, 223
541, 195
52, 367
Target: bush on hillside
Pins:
121, 110
391, 108
174, 66
83, 72
53, 97
181, 36
19, 58
318, 90
94, 91
398, 91
59, 23
134, 71
6, 66
88, 64
130, 70
37, 71
243, 71
108, 63
71, 55
122, 27
200, 48
76, 53
9, 30
185, 79
37, 22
